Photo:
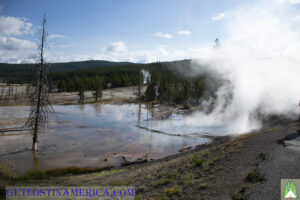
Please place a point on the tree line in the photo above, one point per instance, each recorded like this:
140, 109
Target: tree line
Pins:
165, 83
166, 86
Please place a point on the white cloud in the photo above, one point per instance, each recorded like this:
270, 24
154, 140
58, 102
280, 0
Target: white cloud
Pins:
290, 1
52, 36
219, 16
55, 46
296, 17
17, 50
184, 32
160, 53
12, 44
163, 35
14, 26
116, 47
13, 49
64, 46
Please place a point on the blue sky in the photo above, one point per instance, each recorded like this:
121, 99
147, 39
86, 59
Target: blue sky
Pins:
117, 30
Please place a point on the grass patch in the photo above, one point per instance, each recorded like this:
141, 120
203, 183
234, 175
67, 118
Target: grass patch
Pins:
240, 195
149, 176
120, 183
188, 179
107, 172
172, 191
140, 188
197, 161
5, 172
203, 186
162, 182
254, 177
163, 198
159, 174
238, 145
138, 197
60, 172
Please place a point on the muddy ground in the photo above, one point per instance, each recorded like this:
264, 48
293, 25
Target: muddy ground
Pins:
18, 96
245, 167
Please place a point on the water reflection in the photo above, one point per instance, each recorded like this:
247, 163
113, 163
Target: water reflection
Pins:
36, 165
93, 135
97, 107
139, 113
81, 107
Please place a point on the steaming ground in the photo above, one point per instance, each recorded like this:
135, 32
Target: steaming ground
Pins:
258, 64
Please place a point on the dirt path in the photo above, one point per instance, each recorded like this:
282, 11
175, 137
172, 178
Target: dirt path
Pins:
209, 172
281, 163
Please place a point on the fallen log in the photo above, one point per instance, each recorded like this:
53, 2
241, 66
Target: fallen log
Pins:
138, 161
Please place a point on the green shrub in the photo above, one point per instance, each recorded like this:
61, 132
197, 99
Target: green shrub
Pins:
254, 177
188, 179
203, 186
172, 191
198, 161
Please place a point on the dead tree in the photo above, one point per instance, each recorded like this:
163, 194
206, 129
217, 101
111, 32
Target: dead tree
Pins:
2, 93
16, 94
40, 105
8, 94
139, 85
27, 93
97, 94
81, 96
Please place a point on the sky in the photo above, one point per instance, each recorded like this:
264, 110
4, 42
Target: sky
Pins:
140, 31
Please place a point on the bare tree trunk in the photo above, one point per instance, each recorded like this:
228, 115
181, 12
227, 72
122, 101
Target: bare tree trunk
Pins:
39, 96
139, 86
2, 92
8, 94
16, 93
28, 90
38, 106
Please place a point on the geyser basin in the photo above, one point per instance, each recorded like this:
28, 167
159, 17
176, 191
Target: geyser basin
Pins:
87, 135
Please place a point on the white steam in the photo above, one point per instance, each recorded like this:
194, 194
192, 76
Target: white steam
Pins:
146, 75
260, 57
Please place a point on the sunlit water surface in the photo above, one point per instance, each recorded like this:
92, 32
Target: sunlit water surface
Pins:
96, 135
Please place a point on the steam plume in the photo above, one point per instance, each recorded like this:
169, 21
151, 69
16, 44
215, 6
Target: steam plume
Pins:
259, 63
259, 58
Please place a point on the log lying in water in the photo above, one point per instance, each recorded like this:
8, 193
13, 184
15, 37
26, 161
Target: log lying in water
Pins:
157, 131
138, 161
203, 134
13, 129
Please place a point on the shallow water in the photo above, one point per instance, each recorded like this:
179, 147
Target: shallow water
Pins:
87, 135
